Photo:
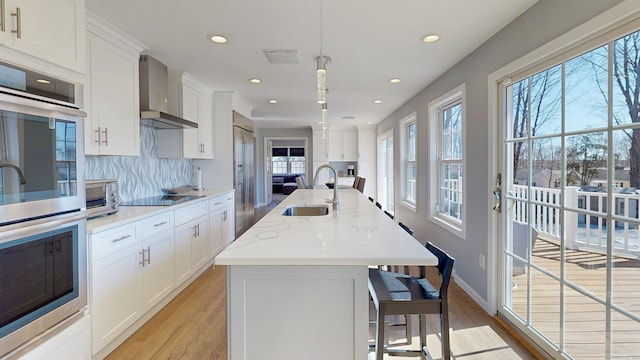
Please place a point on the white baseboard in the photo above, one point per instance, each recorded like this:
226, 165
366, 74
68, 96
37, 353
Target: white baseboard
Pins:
474, 295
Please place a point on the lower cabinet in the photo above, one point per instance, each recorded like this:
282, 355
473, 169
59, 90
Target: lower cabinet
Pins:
133, 267
221, 219
74, 342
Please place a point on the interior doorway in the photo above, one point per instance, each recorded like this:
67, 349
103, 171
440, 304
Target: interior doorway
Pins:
285, 158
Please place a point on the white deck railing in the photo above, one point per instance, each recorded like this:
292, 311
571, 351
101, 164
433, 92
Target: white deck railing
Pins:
584, 229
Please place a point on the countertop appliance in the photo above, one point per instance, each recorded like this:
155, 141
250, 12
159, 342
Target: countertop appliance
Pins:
102, 197
43, 238
154, 91
243, 174
351, 170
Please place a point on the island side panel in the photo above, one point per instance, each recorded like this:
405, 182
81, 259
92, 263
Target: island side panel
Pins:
297, 312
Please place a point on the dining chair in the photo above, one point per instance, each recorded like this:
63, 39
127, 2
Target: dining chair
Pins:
356, 181
401, 294
301, 183
388, 214
378, 205
360, 186
371, 199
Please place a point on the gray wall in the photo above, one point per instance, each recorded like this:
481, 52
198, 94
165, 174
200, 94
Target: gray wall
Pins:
278, 133
542, 23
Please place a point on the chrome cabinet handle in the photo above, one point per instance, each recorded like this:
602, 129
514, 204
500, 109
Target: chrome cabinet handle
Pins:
18, 30
218, 203
141, 261
148, 255
121, 238
97, 131
160, 224
106, 138
2, 23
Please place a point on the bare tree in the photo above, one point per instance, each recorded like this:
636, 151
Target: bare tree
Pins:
536, 101
585, 154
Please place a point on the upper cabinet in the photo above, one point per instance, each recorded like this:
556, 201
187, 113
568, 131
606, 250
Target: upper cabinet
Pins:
366, 145
343, 145
111, 92
192, 102
51, 30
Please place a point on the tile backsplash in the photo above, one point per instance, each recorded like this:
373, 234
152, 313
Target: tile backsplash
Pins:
144, 175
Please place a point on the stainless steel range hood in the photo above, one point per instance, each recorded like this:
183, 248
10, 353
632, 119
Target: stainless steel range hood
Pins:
154, 89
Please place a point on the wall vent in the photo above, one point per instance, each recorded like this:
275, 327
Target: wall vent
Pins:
291, 56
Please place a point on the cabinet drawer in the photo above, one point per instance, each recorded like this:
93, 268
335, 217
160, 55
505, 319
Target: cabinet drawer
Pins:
220, 201
157, 224
111, 241
190, 212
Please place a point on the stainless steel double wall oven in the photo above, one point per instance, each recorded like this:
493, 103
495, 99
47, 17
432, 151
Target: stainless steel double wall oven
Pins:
43, 240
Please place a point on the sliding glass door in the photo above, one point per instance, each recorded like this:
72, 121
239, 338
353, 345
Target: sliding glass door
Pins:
570, 225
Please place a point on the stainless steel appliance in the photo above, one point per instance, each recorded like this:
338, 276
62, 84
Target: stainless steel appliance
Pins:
244, 171
102, 197
351, 170
154, 90
42, 208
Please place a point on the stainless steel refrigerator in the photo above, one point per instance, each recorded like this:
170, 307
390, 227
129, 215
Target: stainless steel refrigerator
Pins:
243, 174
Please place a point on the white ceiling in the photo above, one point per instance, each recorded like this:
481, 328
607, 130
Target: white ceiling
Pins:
369, 41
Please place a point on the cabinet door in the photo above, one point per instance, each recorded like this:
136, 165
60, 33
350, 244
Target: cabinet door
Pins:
323, 176
367, 170
157, 269
115, 116
350, 145
205, 126
319, 147
366, 145
190, 139
74, 342
228, 228
200, 244
334, 143
182, 251
115, 295
52, 30
216, 241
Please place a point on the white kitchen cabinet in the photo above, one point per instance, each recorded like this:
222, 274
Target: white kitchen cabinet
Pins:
319, 152
366, 145
192, 102
367, 170
115, 283
74, 342
343, 145
111, 93
191, 249
52, 30
222, 230
157, 268
346, 180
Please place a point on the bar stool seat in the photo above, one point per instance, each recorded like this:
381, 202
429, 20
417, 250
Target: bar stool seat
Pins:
400, 294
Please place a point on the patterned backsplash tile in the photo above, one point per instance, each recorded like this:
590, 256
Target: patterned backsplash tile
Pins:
144, 175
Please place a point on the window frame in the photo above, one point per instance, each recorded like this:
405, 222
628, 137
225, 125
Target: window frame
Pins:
289, 160
390, 197
435, 108
405, 162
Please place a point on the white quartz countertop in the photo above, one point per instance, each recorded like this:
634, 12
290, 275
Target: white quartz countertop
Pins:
357, 234
129, 214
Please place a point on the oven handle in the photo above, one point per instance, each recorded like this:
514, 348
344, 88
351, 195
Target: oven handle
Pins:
33, 227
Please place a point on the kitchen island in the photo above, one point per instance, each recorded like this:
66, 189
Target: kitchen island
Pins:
297, 285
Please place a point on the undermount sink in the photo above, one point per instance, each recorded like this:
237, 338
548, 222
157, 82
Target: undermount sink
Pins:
302, 210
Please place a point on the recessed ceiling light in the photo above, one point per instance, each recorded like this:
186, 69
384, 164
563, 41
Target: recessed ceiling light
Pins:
273, 101
394, 80
218, 39
430, 38
255, 81
377, 101
43, 81
319, 122
369, 122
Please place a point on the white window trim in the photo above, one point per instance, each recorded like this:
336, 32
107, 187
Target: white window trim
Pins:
386, 134
404, 124
455, 227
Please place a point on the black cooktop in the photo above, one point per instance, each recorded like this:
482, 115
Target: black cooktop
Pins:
160, 200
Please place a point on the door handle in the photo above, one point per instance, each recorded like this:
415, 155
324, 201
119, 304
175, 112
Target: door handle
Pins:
497, 194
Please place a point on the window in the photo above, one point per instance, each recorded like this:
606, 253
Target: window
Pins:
408, 153
446, 119
287, 160
385, 171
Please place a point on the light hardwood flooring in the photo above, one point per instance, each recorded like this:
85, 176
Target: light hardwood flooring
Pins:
193, 326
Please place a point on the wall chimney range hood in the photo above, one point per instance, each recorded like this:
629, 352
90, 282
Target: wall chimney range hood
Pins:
154, 90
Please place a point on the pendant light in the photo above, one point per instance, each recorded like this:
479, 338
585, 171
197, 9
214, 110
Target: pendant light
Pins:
321, 69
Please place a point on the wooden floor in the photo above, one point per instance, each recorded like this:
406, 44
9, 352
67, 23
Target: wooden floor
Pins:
585, 319
193, 326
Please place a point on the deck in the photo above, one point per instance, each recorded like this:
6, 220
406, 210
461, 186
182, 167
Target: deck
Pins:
585, 318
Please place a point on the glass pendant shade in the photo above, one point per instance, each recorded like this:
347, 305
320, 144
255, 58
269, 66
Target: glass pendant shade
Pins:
321, 90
